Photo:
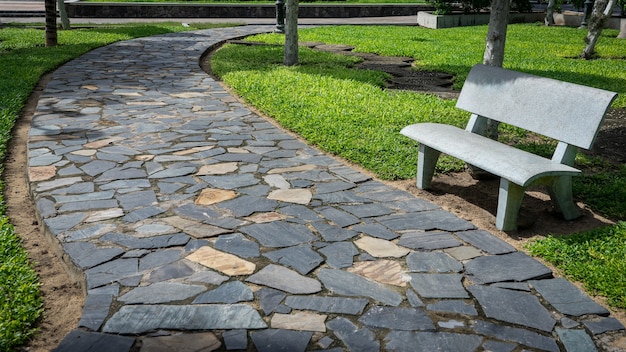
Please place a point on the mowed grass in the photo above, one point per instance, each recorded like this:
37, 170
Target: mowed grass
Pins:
348, 112
24, 59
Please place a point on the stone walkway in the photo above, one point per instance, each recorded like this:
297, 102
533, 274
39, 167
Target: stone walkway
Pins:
199, 224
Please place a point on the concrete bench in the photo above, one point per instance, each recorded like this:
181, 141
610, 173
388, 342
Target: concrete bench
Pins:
568, 113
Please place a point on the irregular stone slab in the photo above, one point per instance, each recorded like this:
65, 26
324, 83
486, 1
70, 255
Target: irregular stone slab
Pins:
383, 271
247, 205
270, 299
339, 217
376, 230
266, 217
453, 306
339, 254
112, 271
238, 244
381, 248
174, 172
284, 279
230, 292
397, 318
228, 264
137, 319
428, 240
87, 255
279, 234
210, 196
432, 262
567, 298
523, 336
601, 325
576, 340
439, 285
349, 284
301, 321
95, 310
507, 267
203, 341
426, 220
367, 210
301, 258
362, 340
515, 307
78, 340
332, 233
278, 340
235, 339
464, 252
194, 228
431, 341
161, 292
485, 241
327, 304
172, 271
298, 195
217, 169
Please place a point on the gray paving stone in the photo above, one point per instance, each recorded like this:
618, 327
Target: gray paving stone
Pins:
87, 255
159, 258
432, 262
348, 284
601, 325
230, 292
231, 181
367, 210
362, 340
235, 339
507, 267
497, 346
270, 299
134, 200
414, 299
396, 318
278, 234
192, 211
430, 341
330, 187
522, 336
345, 197
247, 205
95, 310
376, 230
515, 307
426, 220
174, 270
161, 292
339, 217
237, 244
137, 319
453, 306
576, 340
567, 298
62, 223
121, 174
339, 254
276, 340
78, 340
284, 279
301, 258
517, 286
45, 208
327, 304
333, 233
428, 240
439, 285
300, 212
485, 241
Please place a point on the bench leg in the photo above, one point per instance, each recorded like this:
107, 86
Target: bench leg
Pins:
426, 160
509, 202
560, 191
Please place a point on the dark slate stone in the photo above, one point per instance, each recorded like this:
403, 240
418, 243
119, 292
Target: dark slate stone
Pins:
339, 254
569, 323
97, 167
453, 306
95, 310
432, 262
332, 233
143, 213
112, 271
497, 346
173, 172
62, 223
412, 205
414, 299
172, 271
88, 205
248, 205
282, 309
230, 292
46, 208
523, 336
376, 230
576, 340
367, 210
349, 284
507, 267
137, 319
284, 279
121, 174
279, 234
567, 298
329, 187
513, 306
158, 258
235, 339
196, 212
299, 211
426, 220
130, 201
237, 244
269, 299
439, 285
301, 258
87, 255
276, 340
428, 240
132, 242
161, 292
431, 341
362, 340
485, 241
78, 340
345, 197
339, 217
327, 304
397, 318
231, 181
517, 286
601, 325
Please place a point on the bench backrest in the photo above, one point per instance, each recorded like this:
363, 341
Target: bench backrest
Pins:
567, 112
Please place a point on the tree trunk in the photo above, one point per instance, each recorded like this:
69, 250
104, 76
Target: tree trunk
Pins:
602, 10
65, 21
291, 33
51, 22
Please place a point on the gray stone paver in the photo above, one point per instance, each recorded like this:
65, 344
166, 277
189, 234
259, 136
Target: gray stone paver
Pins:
134, 132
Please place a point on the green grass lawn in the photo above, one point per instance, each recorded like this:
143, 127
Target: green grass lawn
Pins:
345, 112
24, 60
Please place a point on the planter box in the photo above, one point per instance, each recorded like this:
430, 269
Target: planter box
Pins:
428, 20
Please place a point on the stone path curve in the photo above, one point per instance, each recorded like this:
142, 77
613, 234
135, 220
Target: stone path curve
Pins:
195, 223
